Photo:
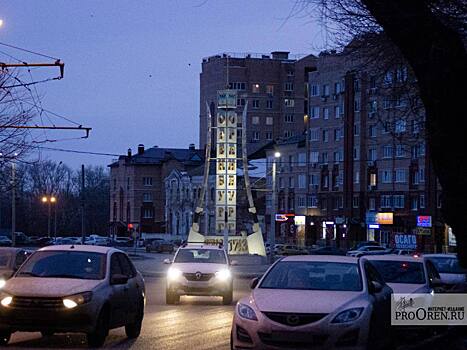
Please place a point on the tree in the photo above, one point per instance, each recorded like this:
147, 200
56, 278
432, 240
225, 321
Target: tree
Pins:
430, 35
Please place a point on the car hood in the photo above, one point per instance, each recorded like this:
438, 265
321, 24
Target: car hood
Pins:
6, 273
408, 288
199, 267
452, 278
48, 287
302, 301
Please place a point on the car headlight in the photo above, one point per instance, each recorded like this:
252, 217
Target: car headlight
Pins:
223, 275
173, 273
246, 312
2, 283
6, 300
349, 315
77, 299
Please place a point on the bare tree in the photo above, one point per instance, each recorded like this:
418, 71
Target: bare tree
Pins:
430, 35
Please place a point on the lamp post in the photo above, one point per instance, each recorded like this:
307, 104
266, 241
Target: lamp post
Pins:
50, 200
272, 230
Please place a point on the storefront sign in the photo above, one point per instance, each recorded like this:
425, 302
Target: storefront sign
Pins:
371, 218
451, 238
385, 218
405, 241
424, 221
237, 244
299, 220
373, 226
284, 217
423, 231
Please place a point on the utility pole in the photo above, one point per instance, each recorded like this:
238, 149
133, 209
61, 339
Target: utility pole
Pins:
13, 203
82, 204
55, 221
272, 229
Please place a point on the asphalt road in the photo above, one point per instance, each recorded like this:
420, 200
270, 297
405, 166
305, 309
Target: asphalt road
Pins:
196, 323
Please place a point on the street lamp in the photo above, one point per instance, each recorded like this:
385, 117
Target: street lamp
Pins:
272, 230
50, 200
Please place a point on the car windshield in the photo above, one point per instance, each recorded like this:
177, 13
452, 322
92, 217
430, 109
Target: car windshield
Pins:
5, 258
213, 256
313, 275
400, 271
61, 264
447, 265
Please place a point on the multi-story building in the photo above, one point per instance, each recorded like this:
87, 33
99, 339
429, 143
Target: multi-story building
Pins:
364, 156
137, 187
273, 85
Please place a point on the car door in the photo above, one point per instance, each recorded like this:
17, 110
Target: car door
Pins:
119, 294
133, 289
381, 317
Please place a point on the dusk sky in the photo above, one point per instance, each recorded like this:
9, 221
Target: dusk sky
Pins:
132, 67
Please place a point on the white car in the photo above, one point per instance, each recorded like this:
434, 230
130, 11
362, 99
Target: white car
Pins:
405, 274
368, 250
199, 269
451, 273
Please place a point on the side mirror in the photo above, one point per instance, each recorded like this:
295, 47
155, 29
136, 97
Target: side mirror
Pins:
234, 263
435, 282
167, 261
375, 287
118, 279
254, 283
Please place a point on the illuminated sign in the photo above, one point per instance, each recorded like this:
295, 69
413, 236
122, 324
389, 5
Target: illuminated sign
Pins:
385, 218
373, 226
405, 241
299, 220
424, 221
283, 217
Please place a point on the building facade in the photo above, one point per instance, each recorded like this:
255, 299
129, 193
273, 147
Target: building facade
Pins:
137, 186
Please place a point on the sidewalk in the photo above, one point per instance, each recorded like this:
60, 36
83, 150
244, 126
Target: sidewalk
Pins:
152, 265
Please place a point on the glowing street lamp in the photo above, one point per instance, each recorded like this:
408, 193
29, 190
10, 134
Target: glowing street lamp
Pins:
50, 200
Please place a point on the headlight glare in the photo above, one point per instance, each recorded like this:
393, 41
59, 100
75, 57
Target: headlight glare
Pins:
6, 301
223, 275
349, 315
2, 283
77, 299
69, 304
246, 312
173, 273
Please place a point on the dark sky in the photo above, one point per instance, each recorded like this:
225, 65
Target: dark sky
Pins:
132, 67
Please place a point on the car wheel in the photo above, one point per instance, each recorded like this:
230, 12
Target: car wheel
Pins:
5, 337
171, 298
227, 297
133, 330
97, 338
47, 333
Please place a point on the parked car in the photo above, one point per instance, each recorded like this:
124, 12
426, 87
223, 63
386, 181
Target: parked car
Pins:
451, 273
5, 241
64, 240
278, 249
123, 242
10, 260
365, 244
315, 301
72, 288
43, 241
368, 250
328, 250
160, 246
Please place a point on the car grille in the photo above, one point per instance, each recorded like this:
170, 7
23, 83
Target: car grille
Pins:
293, 320
294, 340
37, 303
202, 277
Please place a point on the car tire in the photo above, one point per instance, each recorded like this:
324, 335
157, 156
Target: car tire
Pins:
227, 298
5, 337
133, 330
47, 333
171, 298
97, 338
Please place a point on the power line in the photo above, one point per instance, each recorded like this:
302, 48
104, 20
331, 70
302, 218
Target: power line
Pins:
29, 51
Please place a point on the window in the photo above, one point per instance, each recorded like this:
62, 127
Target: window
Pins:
356, 178
127, 183
301, 202
373, 180
372, 203
372, 131
324, 157
148, 213
415, 127
388, 78
288, 87
356, 129
357, 105
401, 74
372, 107
289, 118
356, 85
401, 175
301, 181
288, 102
399, 201
386, 176
314, 90
312, 202
314, 179
255, 88
255, 120
302, 159
399, 151
326, 113
337, 111
291, 182
115, 184
255, 135
356, 201
414, 203
237, 86
325, 90
387, 102
314, 157
386, 201
290, 73
147, 197
372, 154
314, 112
325, 181
269, 120
240, 102
422, 201
421, 172
414, 151
386, 127
356, 153
256, 104
337, 134
337, 88
336, 156
387, 151
421, 150
269, 104
400, 126
281, 182
314, 134
288, 133
270, 90
325, 135
268, 135
147, 181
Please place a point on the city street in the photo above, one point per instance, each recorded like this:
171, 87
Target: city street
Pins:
196, 323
